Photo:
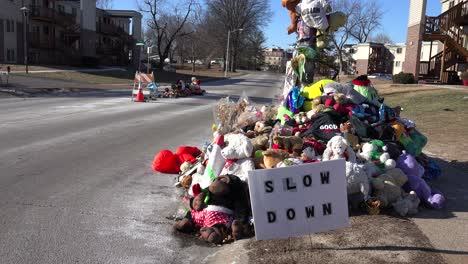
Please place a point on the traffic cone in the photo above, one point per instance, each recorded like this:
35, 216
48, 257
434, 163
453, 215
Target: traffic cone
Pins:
140, 98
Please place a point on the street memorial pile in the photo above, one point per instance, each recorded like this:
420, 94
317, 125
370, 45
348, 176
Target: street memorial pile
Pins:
183, 89
322, 132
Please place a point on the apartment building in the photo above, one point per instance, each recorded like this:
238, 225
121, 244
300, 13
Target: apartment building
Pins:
369, 57
69, 32
448, 31
275, 58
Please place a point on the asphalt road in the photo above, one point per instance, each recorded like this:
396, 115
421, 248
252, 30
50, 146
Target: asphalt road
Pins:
76, 185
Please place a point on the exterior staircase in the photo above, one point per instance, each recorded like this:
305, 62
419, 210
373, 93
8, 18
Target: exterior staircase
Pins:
448, 28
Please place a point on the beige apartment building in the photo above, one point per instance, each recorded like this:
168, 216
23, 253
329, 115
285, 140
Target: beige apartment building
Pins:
370, 58
69, 32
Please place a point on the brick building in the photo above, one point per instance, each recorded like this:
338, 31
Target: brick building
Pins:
69, 32
448, 32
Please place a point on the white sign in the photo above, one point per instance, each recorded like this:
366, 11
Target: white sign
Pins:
299, 200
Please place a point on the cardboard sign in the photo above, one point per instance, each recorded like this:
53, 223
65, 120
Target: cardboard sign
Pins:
299, 200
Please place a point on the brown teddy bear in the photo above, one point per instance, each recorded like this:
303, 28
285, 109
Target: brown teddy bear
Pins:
292, 144
272, 157
290, 5
228, 199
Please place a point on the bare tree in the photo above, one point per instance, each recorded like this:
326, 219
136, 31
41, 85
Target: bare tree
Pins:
364, 17
166, 23
230, 15
367, 19
104, 4
343, 35
382, 38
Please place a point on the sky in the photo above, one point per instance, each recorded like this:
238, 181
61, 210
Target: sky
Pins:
394, 21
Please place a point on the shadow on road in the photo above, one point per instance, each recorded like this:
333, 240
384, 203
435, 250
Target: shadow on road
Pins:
402, 248
454, 185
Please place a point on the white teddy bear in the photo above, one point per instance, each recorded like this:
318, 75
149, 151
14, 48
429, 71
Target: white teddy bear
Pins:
357, 179
338, 148
237, 155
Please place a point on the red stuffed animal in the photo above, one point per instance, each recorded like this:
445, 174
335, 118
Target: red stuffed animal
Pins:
168, 162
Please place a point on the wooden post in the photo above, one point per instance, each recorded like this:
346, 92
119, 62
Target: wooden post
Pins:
442, 63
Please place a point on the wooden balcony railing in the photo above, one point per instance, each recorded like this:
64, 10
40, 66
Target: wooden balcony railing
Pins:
50, 15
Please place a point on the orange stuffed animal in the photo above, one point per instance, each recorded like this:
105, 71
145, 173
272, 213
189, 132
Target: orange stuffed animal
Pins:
291, 6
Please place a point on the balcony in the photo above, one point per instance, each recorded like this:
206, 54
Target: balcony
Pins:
50, 15
110, 29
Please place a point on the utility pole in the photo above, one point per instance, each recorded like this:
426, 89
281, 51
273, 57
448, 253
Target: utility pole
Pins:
227, 51
25, 35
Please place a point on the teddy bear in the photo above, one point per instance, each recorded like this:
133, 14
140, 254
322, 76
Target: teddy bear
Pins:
349, 134
292, 144
309, 156
237, 155
214, 210
407, 205
357, 180
388, 186
272, 157
260, 142
409, 165
290, 5
375, 151
338, 148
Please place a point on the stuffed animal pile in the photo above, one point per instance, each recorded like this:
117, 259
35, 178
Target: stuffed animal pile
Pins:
386, 170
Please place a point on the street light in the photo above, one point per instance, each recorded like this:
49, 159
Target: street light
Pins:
139, 45
227, 51
25, 11
149, 51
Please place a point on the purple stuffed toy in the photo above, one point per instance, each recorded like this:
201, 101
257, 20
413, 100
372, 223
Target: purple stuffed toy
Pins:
415, 171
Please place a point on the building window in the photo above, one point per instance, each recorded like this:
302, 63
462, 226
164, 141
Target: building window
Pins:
451, 4
61, 9
11, 55
74, 12
397, 64
399, 50
46, 30
10, 26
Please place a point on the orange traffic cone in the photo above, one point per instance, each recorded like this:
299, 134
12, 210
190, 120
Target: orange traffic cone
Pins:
140, 98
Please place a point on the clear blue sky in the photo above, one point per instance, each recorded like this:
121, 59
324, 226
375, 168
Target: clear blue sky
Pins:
394, 22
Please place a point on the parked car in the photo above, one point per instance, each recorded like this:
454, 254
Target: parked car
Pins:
382, 76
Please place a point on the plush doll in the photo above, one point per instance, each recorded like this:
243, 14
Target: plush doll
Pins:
407, 205
387, 186
291, 144
357, 180
168, 162
308, 155
338, 148
345, 88
260, 143
375, 151
363, 85
289, 162
237, 155
227, 198
290, 5
272, 157
301, 119
409, 165
349, 135
312, 91
335, 21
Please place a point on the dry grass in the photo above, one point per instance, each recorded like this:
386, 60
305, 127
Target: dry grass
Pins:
440, 114
117, 77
